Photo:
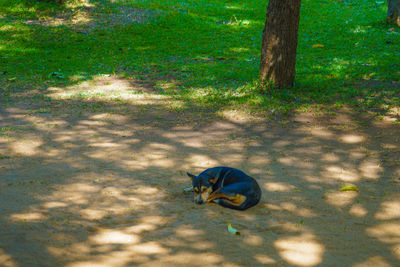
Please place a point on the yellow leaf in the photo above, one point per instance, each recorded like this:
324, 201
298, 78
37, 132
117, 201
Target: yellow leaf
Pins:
349, 188
317, 46
232, 230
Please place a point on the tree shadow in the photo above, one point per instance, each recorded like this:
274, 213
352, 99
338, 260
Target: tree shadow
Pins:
93, 166
91, 181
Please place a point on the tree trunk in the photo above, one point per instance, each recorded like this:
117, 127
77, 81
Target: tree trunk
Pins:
393, 15
279, 42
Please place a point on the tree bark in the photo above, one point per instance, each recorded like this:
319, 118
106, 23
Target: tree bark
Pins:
279, 42
393, 14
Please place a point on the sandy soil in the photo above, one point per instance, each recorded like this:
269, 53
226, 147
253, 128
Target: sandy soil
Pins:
100, 183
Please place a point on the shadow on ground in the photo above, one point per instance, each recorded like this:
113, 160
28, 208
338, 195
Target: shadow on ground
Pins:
92, 167
98, 181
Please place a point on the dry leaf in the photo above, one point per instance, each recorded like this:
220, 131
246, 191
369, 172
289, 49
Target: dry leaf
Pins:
349, 188
232, 230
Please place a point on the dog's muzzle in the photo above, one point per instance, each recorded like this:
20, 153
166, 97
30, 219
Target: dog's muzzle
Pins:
198, 200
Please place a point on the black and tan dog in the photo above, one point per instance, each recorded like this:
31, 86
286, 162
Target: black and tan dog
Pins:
226, 186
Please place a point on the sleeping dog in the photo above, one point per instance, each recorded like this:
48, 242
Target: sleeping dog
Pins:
226, 186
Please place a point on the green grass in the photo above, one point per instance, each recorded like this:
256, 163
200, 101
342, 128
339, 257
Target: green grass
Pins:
208, 50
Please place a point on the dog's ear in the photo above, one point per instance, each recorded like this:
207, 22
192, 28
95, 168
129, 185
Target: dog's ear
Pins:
213, 180
191, 175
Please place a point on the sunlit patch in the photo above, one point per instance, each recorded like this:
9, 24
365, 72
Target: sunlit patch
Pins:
272, 207
373, 261
109, 236
389, 210
300, 250
278, 187
396, 250
146, 190
28, 217
358, 210
140, 228
253, 240
371, 168
299, 211
148, 248
203, 245
340, 199
342, 174
107, 145
322, 133
202, 161
54, 204
352, 139
107, 87
185, 258
188, 232
264, 259
288, 160
330, 157
6, 260
26, 147
93, 214
386, 232
239, 49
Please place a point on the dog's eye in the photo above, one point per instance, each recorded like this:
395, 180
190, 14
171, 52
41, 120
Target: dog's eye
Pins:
203, 188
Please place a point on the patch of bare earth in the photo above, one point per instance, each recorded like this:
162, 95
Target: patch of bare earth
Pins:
87, 17
97, 180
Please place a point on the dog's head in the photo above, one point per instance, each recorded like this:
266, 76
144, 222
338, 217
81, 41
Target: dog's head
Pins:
202, 187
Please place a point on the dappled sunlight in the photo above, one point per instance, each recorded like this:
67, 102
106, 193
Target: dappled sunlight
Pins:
107, 87
106, 104
26, 147
108, 236
28, 217
7, 260
106, 171
340, 199
278, 187
390, 210
341, 174
202, 161
358, 210
388, 232
322, 133
86, 16
301, 250
264, 259
330, 157
254, 240
373, 262
371, 168
352, 138
396, 250
299, 211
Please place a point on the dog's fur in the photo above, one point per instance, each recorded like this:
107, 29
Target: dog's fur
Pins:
226, 186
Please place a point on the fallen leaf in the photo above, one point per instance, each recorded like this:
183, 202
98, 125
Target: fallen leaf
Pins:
189, 189
232, 230
349, 188
317, 46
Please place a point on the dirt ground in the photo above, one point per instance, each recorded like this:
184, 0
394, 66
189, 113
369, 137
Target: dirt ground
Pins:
89, 182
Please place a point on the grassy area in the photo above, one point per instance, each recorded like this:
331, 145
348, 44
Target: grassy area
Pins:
203, 52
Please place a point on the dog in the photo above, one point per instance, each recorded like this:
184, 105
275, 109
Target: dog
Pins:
229, 187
